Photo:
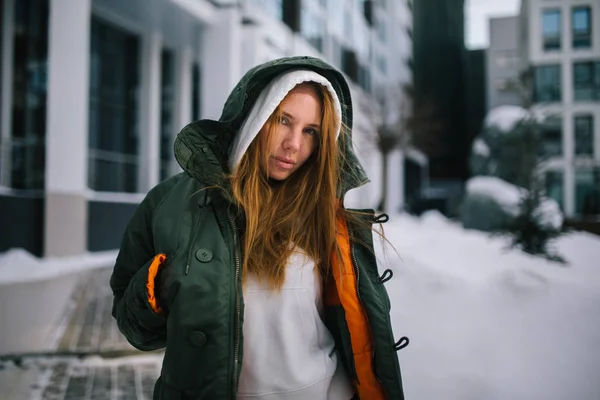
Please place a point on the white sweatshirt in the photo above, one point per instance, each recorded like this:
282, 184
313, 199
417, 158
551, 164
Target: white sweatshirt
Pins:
288, 352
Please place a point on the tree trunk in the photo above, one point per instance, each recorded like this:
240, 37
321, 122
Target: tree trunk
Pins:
384, 182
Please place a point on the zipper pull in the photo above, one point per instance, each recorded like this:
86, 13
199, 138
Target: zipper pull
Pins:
187, 269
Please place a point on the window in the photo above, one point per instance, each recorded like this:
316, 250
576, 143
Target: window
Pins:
113, 132
272, 7
547, 83
167, 90
196, 82
312, 28
26, 144
587, 192
551, 29
584, 135
582, 27
552, 137
586, 80
555, 186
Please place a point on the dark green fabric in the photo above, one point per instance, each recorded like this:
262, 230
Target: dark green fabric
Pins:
194, 223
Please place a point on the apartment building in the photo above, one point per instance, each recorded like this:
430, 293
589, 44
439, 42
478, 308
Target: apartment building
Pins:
560, 41
93, 93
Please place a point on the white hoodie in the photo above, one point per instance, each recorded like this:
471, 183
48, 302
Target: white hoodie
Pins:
288, 352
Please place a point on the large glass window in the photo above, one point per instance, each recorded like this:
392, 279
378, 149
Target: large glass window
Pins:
587, 192
552, 143
551, 29
582, 27
584, 135
547, 83
167, 86
586, 80
555, 186
113, 124
28, 131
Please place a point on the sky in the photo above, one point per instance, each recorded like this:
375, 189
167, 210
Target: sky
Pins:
477, 14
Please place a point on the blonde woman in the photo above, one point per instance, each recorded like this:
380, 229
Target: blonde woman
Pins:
247, 268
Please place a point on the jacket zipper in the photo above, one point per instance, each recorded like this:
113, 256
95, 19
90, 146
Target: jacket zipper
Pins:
237, 308
355, 266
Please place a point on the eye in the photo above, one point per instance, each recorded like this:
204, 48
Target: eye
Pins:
311, 131
284, 120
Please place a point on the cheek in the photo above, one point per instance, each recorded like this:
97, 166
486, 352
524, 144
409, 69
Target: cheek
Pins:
307, 150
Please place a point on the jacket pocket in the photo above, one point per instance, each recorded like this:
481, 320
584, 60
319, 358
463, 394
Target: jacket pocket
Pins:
335, 319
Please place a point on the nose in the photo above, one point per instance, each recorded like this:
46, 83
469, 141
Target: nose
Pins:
293, 140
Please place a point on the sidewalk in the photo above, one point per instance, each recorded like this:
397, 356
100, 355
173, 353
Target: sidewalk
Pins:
93, 361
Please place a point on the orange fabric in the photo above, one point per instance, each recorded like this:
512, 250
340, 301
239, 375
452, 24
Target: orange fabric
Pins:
345, 293
157, 263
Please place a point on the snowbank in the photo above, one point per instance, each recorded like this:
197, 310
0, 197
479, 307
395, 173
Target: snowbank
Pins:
508, 197
17, 265
489, 322
34, 294
481, 148
505, 117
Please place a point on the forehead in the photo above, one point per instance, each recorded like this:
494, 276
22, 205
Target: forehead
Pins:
304, 97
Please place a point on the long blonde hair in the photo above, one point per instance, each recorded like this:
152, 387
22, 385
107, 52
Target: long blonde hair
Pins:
299, 212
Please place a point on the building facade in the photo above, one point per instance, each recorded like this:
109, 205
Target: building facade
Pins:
93, 93
502, 62
560, 42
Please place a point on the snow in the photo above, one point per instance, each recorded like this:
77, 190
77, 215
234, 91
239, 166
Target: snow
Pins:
485, 321
481, 148
17, 265
508, 197
505, 117
489, 322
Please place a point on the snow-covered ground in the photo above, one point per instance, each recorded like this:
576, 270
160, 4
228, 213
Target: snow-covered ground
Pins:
18, 266
488, 322
485, 321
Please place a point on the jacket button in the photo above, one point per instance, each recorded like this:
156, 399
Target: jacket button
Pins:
197, 339
204, 255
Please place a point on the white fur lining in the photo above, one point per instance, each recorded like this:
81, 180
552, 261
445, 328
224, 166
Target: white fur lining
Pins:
267, 102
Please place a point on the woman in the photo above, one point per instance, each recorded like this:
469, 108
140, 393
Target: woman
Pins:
246, 267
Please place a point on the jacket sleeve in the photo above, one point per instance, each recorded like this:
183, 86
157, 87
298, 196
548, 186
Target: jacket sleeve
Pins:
144, 328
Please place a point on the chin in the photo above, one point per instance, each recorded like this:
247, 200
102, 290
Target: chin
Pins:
281, 176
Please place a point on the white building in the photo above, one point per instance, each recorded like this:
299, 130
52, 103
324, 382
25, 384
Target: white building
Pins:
94, 91
561, 42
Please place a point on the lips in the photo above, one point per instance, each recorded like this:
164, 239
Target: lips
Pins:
283, 162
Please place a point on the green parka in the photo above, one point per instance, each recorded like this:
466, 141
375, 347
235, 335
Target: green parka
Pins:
197, 231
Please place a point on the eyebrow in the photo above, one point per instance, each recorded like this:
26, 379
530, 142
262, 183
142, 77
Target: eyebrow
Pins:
290, 116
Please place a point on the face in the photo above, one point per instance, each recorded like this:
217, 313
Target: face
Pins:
295, 135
